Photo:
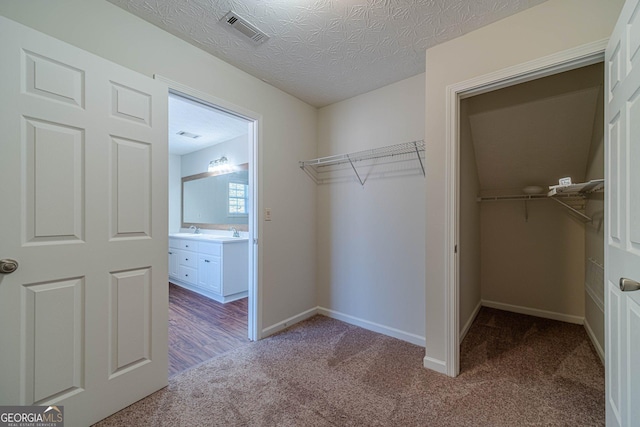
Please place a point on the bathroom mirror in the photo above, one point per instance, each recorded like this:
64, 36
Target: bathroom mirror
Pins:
216, 200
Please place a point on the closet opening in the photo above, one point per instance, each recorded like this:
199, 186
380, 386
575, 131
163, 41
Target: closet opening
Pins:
520, 251
211, 228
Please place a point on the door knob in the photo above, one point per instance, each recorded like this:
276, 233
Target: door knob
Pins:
8, 266
628, 285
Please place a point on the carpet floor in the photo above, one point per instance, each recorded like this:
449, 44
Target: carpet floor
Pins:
516, 371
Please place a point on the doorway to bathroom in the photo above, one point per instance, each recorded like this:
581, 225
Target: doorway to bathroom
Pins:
212, 194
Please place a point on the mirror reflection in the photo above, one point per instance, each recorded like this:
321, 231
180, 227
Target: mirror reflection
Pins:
216, 200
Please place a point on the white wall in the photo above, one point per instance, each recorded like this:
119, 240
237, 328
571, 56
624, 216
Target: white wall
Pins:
288, 133
175, 193
371, 238
550, 27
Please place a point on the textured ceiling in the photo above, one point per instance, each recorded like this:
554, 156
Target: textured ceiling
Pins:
537, 132
324, 51
211, 125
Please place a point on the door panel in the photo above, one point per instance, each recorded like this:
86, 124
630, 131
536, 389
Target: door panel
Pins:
84, 164
613, 183
131, 183
130, 306
633, 370
53, 80
131, 104
54, 176
622, 225
54, 319
614, 378
633, 214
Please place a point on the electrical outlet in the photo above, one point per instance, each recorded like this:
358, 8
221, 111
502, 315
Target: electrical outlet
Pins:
267, 214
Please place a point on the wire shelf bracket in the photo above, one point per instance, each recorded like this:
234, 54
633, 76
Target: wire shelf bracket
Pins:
314, 166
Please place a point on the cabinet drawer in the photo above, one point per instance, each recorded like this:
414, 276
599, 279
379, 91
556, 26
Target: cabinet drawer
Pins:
190, 245
188, 259
210, 248
188, 274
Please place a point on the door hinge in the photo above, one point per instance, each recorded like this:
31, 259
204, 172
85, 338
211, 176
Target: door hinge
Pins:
455, 249
255, 241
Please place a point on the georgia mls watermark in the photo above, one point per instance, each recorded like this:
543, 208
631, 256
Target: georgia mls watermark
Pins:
31, 416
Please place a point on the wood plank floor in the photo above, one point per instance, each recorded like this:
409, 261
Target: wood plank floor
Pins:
201, 328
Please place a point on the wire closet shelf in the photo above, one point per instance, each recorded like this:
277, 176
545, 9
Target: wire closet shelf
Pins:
406, 148
572, 197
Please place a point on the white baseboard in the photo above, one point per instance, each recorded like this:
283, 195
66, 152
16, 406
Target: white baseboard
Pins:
465, 328
535, 312
288, 322
435, 365
594, 340
211, 295
375, 327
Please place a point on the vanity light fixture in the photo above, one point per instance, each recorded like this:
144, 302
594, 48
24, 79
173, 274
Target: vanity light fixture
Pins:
218, 165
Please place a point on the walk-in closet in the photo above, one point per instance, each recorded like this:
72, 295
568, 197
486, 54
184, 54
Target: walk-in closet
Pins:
523, 246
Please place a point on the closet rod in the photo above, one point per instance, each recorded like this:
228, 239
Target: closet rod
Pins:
518, 197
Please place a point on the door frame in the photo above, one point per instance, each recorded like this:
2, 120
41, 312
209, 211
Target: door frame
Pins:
254, 321
567, 60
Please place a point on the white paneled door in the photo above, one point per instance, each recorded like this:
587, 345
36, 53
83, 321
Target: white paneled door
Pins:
622, 258
83, 209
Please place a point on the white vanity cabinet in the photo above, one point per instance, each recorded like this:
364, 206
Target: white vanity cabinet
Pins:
173, 262
186, 259
216, 268
209, 270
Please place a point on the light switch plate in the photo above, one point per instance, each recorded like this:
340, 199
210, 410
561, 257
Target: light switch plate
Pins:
267, 214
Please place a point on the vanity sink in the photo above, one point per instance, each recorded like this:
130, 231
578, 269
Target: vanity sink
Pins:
202, 236
220, 238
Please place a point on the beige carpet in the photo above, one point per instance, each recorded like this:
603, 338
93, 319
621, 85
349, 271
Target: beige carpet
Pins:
516, 371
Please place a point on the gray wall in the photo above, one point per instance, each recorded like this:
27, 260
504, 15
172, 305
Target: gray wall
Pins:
371, 238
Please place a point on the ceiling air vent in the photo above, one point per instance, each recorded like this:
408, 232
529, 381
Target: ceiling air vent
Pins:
188, 134
244, 27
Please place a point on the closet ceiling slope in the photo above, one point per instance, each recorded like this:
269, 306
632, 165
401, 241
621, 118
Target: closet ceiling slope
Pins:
536, 132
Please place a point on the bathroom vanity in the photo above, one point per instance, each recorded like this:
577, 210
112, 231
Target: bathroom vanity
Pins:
216, 267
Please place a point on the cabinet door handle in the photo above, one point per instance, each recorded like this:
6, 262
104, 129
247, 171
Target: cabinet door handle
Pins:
186, 275
186, 259
170, 253
186, 246
206, 260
